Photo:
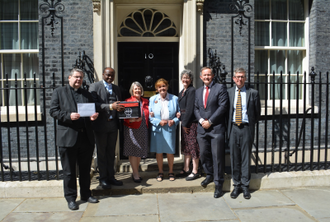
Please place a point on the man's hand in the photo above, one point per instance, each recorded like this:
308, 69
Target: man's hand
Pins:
186, 129
118, 107
206, 124
163, 122
170, 123
94, 116
74, 116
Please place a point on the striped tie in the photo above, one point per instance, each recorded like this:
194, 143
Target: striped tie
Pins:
238, 116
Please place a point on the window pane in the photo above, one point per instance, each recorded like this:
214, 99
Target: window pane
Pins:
293, 87
30, 65
295, 59
296, 10
278, 87
261, 33
279, 34
297, 34
261, 61
261, 9
277, 61
11, 101
9, 10
11, 65
262, 87
9, 35
31, 95
279, 9
29, 9
29, 36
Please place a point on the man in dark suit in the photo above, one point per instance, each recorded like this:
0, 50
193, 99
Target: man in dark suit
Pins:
244, 112
211, 103
74, 138
107, 96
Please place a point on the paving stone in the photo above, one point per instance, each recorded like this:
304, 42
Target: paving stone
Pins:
47, 205
130, 205
59, 216
272, 214
312, 200
8, 205
264, 198
135, 218
193, 207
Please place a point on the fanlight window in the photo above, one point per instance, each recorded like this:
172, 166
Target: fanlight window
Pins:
147, 23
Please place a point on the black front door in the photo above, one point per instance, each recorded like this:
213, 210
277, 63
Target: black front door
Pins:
146, 63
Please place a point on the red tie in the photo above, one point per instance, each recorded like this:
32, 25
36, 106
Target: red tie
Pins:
206, 95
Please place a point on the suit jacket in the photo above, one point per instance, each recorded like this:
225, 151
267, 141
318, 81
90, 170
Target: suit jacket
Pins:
61, 107
101, 99
186, 103
216, 108
252, 105
145, 109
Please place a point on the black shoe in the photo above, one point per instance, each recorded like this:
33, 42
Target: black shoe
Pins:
218, 191
136, 180
246, 193
234, 194
115, 182
193, 177
73, 205
208, 180
105, 185
90, 200
182, 174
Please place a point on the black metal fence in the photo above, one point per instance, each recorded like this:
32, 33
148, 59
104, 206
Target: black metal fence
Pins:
292, 134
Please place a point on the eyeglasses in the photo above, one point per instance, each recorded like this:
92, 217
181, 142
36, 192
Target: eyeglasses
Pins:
240, 77
78, 77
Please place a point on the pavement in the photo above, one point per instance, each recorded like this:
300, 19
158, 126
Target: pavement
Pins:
298, 204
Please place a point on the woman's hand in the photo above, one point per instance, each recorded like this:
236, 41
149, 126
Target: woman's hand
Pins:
178, 115
163, 122
186, 129
170, 123
152, 114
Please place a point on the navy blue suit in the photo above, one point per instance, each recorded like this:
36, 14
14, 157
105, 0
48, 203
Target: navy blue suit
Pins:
212, 140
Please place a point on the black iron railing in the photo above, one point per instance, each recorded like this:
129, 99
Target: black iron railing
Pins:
292, 134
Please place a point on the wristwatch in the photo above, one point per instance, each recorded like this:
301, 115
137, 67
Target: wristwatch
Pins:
210, 122
110, 106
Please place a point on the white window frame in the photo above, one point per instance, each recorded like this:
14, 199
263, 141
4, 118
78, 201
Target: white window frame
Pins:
21, 107
305, 63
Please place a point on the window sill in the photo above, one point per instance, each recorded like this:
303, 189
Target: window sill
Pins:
285, 110
21, 114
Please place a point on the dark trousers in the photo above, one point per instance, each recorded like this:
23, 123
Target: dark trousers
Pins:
106, 146
212, 155
240, 143
81, 153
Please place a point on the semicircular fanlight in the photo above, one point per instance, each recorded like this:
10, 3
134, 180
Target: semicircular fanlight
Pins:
147, 23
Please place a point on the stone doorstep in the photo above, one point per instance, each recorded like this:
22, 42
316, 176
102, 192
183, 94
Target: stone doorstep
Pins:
149, 184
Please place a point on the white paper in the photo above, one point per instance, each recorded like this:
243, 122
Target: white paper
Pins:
86, 109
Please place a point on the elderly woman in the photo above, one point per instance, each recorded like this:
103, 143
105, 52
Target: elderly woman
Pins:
136, 138
163, 132
189, 145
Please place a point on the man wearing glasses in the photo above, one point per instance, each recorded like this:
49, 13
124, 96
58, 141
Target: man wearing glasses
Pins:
74, 138
244, 112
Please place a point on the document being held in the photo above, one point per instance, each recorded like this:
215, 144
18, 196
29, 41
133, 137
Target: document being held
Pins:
86, 109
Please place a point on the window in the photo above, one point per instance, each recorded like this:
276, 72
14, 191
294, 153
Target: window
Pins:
281, 45
19, 50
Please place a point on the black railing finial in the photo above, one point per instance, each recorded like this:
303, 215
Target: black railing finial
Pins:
312, 74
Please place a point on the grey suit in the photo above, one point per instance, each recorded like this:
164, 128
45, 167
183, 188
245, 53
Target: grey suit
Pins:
211, 141
241, 137
105, 130
75, 140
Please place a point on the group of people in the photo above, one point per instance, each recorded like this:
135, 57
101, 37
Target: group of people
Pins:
206, 114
